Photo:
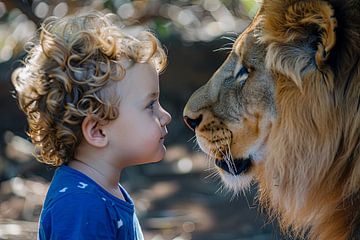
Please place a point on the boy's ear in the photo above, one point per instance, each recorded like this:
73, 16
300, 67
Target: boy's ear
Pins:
302, 35
93, 132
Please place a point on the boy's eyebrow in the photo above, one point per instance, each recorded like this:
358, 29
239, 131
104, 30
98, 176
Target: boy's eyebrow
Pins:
152, 95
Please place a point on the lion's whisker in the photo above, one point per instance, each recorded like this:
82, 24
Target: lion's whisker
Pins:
229, 153
220, 189
213, 174
222, 49
192, 138
228, 159
231, 39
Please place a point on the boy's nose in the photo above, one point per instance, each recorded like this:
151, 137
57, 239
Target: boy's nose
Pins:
192, 123
165, 119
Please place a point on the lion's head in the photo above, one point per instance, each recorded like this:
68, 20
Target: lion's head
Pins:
284, 108
232, 113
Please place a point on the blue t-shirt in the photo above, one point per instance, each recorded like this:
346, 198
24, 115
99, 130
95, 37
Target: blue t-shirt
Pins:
78, 208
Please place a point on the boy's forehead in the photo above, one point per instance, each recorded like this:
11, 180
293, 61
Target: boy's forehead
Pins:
141, 79
142, 73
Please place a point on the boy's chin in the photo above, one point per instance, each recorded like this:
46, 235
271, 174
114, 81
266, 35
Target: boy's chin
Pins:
151, 158
148, 159
159, 156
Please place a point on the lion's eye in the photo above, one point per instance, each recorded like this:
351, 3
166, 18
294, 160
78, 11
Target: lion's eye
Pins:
242, 72
241, 75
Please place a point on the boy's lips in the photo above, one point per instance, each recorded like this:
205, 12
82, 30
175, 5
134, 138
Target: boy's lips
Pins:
164, 135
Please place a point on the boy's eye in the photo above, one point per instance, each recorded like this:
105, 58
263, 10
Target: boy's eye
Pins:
151, 105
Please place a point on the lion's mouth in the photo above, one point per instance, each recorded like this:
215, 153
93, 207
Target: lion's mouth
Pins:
236, 167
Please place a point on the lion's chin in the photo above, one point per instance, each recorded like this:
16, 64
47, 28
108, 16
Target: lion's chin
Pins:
236, 183
236, 176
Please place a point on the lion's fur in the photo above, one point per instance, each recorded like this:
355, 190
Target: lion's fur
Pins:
310, 176
312, 172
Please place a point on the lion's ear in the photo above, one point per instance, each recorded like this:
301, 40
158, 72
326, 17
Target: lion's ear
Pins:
301, 32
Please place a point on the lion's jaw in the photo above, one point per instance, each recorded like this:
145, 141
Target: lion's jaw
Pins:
236, 171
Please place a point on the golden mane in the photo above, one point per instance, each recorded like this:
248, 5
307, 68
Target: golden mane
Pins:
311, 177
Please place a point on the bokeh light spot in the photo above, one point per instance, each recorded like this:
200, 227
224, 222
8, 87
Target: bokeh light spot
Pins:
41, 10
61, 9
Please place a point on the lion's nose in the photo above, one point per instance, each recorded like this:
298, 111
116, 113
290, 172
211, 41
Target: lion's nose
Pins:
192, 123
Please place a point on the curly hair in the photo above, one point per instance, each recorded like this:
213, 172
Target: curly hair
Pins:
67, 75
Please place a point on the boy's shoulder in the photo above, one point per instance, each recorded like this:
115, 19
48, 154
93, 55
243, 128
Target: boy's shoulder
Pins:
69, 188
70, 181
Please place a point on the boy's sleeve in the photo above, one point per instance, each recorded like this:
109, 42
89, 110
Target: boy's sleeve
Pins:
81, 217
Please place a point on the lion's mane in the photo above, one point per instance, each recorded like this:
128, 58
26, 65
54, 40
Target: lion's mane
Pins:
311, 177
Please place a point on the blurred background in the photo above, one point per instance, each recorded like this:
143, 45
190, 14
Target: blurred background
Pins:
178, 198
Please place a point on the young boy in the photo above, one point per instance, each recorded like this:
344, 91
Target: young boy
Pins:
91, 97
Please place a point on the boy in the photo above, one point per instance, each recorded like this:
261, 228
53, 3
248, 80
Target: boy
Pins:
91, 97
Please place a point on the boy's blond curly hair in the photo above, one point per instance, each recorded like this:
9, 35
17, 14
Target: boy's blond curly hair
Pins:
67, 74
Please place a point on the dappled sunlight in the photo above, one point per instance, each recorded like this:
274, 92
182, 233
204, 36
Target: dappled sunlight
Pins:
194, 20
178, 198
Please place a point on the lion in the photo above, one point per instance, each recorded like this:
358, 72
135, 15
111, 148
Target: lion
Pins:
284, 110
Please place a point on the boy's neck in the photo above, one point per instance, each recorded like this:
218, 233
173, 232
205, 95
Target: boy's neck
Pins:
102, 173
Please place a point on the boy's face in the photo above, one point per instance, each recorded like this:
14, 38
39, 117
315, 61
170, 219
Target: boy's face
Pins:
137, 135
